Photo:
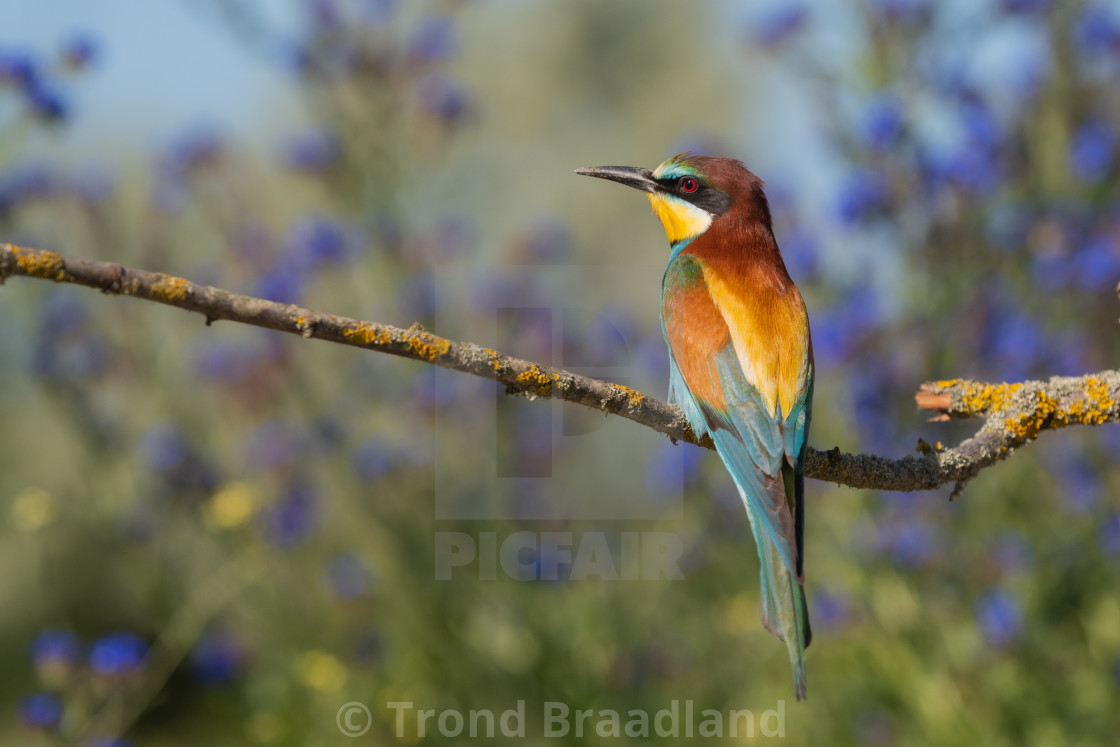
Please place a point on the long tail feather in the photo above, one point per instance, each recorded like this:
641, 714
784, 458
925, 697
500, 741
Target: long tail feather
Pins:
784, 611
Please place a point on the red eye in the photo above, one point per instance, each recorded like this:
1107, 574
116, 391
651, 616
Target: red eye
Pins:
688, 185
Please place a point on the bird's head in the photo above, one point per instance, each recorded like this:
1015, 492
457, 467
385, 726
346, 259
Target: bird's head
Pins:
689, 192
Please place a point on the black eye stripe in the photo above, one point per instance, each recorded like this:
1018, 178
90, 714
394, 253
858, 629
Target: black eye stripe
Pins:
704, 196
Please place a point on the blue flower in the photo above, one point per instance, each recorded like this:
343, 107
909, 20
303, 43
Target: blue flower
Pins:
253, 243
1080, 487
862, 193
1092, 150
417, 296
532, 444
1007, 226
118, 654
910, 542
55, 646
27, 180
1015, 343
1025, 6
171, 192
41, 711
1098, 263
444, 98
552, 564
325, 15
369, 648
92, 183
217, 659
838, 329
671, 469
882, 123
164, 448
372, 460
194, 147
547, 241
1109, 537
1096, 30
313, 150
800, 250
276, 445
830, 610
914, 545
295, 56
435, 40
225, 361
293, 519
494, 289
18, 68
979, 124
455, 236
975, 169
901, 12
347, 577
777, 23
282, 285
1068, 354
46, 102
873, 399
1000, 616
317, 241
1012, 553
329, 433
79, 50
83, 357
378, 12
61, 315
601, 341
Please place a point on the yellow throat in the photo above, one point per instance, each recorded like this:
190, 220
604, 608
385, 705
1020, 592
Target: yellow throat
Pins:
682, 220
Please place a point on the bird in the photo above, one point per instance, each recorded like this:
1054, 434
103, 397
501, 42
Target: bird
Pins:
740, 359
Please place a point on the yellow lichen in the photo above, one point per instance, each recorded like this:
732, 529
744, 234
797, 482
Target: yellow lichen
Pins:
946, 383
1100, 404
304, 326
427, 345
633, 396
980, 398
495, 358
367, 334
40, 264
540, 382
1095, 408
169, 288
1047, 414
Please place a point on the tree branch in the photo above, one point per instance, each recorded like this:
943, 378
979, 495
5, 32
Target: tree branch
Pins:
1014, 413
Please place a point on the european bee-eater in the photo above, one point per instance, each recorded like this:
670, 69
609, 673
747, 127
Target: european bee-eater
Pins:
740, 359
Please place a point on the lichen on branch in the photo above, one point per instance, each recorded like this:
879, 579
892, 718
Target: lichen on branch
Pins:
1014, 413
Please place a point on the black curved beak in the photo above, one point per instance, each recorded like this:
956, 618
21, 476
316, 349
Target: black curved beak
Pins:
630, 176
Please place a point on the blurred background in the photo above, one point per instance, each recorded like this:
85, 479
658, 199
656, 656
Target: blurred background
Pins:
220, 535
